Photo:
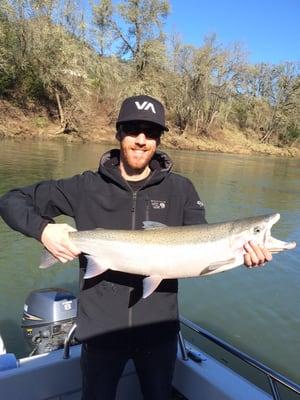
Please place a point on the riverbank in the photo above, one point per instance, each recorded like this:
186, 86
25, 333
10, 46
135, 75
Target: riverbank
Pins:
98, 126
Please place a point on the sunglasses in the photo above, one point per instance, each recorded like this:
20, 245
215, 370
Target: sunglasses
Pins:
151, 131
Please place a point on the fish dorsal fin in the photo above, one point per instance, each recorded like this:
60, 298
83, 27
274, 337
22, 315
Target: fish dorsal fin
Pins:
150, 284
93, 267
153, 225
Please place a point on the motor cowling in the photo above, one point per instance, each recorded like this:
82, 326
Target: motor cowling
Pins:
47, 318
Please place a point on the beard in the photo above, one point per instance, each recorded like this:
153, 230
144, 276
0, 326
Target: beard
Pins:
136, 159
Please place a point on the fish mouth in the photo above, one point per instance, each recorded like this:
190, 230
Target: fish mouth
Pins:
275, 245
279, 245
274, 218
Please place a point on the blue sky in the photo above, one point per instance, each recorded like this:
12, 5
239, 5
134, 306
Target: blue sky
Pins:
268, 29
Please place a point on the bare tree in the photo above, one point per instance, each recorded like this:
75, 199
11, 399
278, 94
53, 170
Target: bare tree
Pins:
135, 26
208, 77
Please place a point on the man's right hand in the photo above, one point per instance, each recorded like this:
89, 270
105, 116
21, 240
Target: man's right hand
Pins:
55, 238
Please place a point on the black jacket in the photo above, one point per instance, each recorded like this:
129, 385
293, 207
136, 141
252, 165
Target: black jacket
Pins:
111, 303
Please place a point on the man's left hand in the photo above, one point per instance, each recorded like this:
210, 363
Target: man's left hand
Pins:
256, 256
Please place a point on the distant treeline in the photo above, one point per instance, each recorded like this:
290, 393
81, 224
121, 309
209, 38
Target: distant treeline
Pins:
55, 53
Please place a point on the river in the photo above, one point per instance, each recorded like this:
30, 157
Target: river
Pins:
256, 310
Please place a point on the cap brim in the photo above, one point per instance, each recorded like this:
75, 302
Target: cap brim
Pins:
164, 128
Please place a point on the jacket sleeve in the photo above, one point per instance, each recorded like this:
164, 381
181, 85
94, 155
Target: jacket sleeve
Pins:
194, 210
29, 209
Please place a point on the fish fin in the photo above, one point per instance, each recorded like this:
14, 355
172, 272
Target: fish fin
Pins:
217, 265
93, 267
153, 225
47, 259
150, 284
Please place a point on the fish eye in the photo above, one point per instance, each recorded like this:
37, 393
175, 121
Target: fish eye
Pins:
257, 229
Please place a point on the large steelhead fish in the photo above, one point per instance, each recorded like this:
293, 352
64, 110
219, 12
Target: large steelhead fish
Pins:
161, 252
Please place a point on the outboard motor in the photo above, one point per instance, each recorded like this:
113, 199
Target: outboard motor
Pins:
48, 317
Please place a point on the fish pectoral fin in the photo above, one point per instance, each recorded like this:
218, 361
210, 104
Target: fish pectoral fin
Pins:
150, 284
219, 264
215, 266
93, 267
47, 259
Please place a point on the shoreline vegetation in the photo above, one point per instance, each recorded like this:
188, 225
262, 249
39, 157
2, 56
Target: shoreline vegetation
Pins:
15, 124
65, 69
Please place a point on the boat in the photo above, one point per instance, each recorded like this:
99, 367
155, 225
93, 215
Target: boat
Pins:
55, 374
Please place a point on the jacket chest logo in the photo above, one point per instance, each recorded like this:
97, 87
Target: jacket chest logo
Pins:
158, 204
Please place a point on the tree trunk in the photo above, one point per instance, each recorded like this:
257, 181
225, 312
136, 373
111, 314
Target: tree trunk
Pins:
60, 110
295, 141
197, 122
215, 113
266, 137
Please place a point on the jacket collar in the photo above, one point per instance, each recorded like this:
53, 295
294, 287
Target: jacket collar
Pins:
161, 165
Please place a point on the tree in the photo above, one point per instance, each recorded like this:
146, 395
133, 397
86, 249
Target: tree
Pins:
135, 26
47, 56
273, 93
208, 76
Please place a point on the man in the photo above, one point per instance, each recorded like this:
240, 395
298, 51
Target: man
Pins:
132, 185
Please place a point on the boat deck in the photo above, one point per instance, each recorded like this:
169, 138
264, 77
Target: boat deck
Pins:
57, 376
50, 377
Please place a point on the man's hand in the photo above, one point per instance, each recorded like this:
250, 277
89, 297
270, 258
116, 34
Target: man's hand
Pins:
55, 238
256, 256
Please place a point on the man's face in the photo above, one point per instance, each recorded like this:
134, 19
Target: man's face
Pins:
138, 143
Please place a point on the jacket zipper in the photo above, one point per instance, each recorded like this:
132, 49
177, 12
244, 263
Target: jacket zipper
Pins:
133, 210
147, 209
133, 215
133, 224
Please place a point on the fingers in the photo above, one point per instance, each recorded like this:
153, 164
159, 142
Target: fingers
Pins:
55, 238
255, 255
62, 253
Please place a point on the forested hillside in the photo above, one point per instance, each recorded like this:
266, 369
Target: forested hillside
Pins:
69, 66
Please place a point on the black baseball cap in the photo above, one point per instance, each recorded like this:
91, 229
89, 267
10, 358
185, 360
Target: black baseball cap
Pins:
142, 108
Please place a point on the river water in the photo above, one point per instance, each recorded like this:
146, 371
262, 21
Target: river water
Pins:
256, 310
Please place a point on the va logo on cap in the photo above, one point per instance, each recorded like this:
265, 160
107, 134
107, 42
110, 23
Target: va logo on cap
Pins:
145, 106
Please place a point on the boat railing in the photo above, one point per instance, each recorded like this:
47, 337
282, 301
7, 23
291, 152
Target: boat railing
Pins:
67, 341
273, 377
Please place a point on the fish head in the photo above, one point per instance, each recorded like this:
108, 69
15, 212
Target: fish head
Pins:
258, 230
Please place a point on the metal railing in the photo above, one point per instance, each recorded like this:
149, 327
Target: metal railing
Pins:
67, 341
272, 376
